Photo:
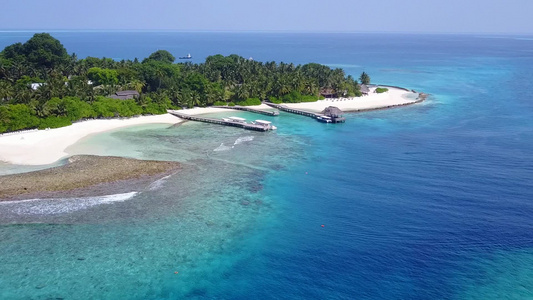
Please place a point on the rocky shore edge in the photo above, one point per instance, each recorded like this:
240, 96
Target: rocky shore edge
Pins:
86, 175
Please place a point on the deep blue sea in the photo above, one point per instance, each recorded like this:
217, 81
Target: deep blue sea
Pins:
431, 201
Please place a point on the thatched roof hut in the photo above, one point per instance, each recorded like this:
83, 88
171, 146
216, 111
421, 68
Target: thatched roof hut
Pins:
364, 89
328, 93
332, 111
124, 95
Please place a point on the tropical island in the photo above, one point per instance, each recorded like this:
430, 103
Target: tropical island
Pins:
44, 87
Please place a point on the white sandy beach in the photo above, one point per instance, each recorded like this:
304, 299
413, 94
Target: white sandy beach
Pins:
393, 97
40, 147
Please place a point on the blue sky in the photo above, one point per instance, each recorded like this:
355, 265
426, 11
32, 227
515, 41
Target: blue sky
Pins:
426, 16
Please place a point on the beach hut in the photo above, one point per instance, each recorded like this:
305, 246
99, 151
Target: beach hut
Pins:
364, 89
124, 95
328, 93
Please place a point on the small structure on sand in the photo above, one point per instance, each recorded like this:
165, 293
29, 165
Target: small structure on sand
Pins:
334, 114
328, 93
364, 89
125, 95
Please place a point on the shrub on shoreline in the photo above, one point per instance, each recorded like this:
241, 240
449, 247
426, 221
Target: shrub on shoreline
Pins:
249, 102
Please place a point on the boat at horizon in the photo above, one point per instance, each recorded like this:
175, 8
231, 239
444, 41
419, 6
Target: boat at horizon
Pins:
188, 56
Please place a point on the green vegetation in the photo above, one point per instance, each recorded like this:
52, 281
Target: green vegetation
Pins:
220, 103
101, 76
364, 78
162, 56
249, 102
42, 86
295, 97
381, 90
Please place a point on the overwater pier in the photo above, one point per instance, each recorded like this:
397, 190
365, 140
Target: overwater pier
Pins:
249, 109
335, 118
224, 122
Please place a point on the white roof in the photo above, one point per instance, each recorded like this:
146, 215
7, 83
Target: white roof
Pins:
36, 85
263, 122
237, 119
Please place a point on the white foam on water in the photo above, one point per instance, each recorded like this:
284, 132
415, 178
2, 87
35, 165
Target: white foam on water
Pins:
243, 139
61, 205
222, 148
158, 183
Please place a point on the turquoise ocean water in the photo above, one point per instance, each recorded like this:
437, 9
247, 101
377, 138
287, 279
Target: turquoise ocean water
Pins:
432, 201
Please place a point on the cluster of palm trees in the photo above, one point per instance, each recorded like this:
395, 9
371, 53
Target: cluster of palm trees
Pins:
41, 69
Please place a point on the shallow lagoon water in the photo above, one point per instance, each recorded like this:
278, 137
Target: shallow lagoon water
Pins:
431, 201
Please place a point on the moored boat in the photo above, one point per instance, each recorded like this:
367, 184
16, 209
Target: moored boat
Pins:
265, 124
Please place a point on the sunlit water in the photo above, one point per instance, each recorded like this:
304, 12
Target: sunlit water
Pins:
432, 201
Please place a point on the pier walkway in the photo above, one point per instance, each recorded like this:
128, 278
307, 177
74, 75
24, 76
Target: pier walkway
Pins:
247, 126
319, 117
292, 110
245, 108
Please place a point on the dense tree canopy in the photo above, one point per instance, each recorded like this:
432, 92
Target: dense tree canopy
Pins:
41, 51
42, 86
162, 56
102, 76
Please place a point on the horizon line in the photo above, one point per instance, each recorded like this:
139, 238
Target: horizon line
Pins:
264, 31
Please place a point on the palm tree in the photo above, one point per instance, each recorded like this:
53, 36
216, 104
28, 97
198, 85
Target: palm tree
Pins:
364, 78
137, 85
160, 74
241, 92
195, 100
6, 91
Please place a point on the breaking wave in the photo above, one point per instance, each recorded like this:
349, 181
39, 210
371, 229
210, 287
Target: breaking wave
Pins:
60, 205
222, 148
158, 183
243, 139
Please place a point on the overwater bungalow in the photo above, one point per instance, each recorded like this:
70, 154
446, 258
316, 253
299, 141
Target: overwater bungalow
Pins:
334, 114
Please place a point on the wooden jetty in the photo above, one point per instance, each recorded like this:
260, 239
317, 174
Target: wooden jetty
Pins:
247, 126
320, 117
245, 108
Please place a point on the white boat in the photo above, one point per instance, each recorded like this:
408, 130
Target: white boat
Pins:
266, 124
237, 120
186, 57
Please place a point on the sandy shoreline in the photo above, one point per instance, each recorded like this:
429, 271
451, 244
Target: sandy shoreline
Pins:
41, 147
394, 97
